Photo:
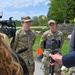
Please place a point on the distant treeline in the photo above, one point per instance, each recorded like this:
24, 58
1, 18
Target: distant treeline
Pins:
62, 11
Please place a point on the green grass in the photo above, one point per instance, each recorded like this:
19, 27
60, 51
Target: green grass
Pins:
64, 49
37, 42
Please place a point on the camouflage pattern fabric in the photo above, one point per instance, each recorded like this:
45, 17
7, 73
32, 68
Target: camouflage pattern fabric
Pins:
48, 35
25, 39
66, 71
31, 68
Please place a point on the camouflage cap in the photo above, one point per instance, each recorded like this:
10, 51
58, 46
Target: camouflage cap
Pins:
26, 19
51, 21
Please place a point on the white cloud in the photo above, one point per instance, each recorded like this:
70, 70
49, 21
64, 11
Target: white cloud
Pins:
46, 2
15, 15
37, 14
21, 3
18, 14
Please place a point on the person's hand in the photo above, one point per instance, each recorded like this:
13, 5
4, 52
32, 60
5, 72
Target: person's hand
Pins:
57, 58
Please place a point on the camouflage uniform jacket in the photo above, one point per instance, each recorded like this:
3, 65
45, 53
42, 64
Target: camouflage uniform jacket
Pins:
48, 35
25, 39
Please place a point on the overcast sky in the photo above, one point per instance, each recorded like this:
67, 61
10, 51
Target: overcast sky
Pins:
18, 8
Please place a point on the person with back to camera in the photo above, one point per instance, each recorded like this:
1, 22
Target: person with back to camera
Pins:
25, 38
8, 65
65, 70
53, 33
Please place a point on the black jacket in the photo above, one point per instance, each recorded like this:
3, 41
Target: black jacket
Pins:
72, 41
69, 60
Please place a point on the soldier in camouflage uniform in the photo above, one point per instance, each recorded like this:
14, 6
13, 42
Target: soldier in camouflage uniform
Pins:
25, 38
53, 33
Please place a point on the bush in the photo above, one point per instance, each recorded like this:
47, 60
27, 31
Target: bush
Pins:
71, 21
64, 33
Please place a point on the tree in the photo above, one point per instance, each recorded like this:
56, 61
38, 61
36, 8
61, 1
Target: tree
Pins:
61, 10
55, 10
35, 21
42, 20
18, 23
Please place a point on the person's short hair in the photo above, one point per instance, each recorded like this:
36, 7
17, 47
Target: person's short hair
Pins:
26, 19
51, 21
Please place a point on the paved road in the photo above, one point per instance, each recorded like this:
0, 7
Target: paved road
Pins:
38, 71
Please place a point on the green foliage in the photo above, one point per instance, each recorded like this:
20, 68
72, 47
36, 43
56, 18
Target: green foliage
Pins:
17, 28
42, 21
39, 21
64, 33
18, 23
44, 29
61, 10
35, 21
71, 21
